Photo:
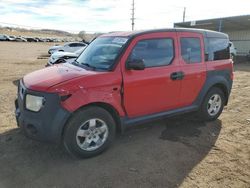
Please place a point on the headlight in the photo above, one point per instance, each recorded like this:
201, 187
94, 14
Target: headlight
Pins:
34, 103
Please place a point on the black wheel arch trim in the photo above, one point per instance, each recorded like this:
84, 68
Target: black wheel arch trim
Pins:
108, 107
216, 78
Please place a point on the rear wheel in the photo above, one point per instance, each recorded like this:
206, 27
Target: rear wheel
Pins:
89, 132
212, 104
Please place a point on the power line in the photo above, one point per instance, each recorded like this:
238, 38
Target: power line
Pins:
133, 15
184, 14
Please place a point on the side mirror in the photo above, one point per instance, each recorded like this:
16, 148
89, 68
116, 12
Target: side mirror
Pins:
135, 64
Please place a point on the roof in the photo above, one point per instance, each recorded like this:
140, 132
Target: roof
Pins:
129, 34
219, 24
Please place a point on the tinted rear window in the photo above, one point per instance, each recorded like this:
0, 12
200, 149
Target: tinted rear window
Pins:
218, 49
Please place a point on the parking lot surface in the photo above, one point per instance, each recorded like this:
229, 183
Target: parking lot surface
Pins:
176, 152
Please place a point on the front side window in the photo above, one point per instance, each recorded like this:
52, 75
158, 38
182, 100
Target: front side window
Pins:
154, 52
102, 52
218, 49
191, 49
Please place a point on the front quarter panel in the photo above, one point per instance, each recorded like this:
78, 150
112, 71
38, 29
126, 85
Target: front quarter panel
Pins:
98, 88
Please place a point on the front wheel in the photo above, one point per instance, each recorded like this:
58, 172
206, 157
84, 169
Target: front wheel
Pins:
89, 132
212, 104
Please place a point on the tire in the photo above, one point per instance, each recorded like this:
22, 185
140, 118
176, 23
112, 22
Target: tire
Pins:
89, 132
212, 104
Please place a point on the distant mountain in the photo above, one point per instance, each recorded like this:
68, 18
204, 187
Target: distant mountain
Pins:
35, 32
45, 33
52, 31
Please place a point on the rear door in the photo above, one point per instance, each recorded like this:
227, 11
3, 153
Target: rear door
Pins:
151, 90
192, 64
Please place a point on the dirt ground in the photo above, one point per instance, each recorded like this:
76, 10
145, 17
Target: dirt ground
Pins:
177, 152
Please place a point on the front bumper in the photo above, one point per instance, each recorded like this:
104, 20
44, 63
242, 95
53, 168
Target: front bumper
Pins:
45, 125
50, 62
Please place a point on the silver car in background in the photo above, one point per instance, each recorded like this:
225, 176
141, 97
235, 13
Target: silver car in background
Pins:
63, 57
67, 47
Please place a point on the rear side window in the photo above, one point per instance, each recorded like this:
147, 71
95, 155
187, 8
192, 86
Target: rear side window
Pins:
154, 52
191, 49
218, 49
79, 44
70, 45
73, 45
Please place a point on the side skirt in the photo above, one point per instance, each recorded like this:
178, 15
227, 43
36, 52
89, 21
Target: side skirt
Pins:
128, 122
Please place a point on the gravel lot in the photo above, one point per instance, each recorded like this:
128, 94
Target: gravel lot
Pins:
177, 152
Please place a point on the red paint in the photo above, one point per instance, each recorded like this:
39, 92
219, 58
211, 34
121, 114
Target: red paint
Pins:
144, 92
151, 90
195, 73
104, 87
43, 79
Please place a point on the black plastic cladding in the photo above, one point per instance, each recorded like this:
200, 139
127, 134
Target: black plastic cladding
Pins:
49, 121
213, 78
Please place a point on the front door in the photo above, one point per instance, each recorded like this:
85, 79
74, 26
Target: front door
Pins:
154, 89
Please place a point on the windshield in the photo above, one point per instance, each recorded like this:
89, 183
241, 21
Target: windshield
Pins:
102, 52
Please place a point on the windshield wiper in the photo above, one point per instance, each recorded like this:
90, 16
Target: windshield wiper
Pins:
88, 65
75, 63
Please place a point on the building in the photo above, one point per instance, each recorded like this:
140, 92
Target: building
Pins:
237, 27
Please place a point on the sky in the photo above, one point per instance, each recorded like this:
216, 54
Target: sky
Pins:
112, 15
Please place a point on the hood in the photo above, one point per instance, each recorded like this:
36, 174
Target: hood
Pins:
43, 79
62, 54
55, 47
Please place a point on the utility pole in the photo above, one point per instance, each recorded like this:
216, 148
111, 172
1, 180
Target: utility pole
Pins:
184, 14
133, 15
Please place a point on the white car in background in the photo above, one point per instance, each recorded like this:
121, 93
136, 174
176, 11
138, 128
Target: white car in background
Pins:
63, 57
233, 50
4, 38
67, 47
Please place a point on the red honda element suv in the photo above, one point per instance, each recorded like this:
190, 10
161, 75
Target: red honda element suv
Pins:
122, 79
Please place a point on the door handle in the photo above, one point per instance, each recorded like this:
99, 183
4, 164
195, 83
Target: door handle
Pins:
177, 75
